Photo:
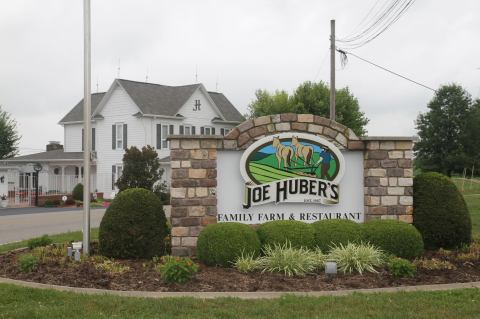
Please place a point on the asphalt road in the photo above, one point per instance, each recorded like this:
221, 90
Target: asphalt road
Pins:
24, 223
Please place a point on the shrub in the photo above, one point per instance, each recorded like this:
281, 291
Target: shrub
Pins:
356, 257
297, 233
440, 212
77, 192
177, 269
334, 232
39, 242
246, 263
289, 260
401, 268
394, 237
220, 244
27, 263
134, 226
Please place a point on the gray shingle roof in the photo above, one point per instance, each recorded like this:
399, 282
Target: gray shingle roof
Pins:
45, 156
76, 114
226, 107
159, 99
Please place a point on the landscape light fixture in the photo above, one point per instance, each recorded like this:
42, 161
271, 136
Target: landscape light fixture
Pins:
330, 269
37, 167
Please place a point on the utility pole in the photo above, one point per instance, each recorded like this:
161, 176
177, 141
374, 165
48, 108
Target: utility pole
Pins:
332, 70
87, 106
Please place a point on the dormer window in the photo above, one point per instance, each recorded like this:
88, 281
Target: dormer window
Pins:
196, 106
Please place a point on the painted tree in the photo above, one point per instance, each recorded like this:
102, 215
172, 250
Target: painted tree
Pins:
9, 136
141, 169
448, 141
313, 98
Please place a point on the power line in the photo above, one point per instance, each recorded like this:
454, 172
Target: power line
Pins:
384, 20
344, 53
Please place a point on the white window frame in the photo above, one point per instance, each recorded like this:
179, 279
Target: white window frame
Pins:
185, 127
209, 128
119, 137
165, 132
118, 173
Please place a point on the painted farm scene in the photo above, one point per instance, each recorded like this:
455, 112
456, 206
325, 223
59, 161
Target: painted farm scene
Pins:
289, 158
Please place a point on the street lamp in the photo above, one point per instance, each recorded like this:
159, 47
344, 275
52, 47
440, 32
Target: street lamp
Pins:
37, 168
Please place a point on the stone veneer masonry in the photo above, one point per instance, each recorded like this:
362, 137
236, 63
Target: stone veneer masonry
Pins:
387, 171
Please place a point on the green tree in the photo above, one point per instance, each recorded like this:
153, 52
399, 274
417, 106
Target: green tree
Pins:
9, 137
445, 131
141, 169
313, 98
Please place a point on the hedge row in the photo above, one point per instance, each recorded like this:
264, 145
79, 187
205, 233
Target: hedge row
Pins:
220, 244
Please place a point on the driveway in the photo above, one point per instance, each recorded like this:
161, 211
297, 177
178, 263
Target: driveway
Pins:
24, 223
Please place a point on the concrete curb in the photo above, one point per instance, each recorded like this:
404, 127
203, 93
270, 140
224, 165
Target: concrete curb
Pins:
241, 295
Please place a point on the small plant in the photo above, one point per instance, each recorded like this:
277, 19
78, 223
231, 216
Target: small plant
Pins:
289, 260
470, 257
51, 253
176, 269
445, 253
112, 267
357, 257
39, 242
434, 264
401, 268
246, 263
27, 263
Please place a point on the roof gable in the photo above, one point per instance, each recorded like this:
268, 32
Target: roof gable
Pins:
76, 113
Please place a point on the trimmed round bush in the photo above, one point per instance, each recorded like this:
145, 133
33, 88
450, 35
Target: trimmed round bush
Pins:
394, 237
220, 244
77, 192
299, 234
440, 212
332, 232
134, 226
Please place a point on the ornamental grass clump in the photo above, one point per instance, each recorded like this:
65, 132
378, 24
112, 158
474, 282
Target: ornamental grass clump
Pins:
356, 257
246, 263
112, 267
289, 260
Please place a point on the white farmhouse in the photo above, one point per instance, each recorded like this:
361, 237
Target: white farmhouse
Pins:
129, 114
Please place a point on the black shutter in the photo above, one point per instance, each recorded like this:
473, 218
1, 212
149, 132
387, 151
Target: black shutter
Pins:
125, 142
222, 131
213, 131
114, 137
93, 139
159, 136
193, 130
76, 171
171, 129
202, 130
83, 139
113, 177
181, 130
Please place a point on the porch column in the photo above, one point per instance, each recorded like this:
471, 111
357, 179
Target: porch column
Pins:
62, 180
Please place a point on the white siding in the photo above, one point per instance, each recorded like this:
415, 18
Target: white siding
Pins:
118, 109
203, 117
73, 137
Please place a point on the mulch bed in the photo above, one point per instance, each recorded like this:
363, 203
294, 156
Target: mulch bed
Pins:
142, 276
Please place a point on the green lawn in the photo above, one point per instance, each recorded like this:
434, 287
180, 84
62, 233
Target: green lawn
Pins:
60, 238
471, 192
16, 302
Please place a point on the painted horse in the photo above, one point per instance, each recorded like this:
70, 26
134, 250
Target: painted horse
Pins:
283, 153
305, 152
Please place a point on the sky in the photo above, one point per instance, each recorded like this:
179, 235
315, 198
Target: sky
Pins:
234, 47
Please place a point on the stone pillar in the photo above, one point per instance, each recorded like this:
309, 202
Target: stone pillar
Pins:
388, 178
193, 189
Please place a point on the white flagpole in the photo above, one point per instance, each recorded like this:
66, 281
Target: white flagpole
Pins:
86, 125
